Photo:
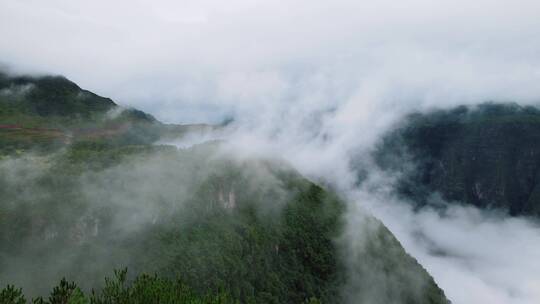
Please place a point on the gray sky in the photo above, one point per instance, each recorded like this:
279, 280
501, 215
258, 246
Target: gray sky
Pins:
188, 61
312, 81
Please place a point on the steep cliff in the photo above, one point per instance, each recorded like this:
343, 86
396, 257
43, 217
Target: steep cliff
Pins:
487, 156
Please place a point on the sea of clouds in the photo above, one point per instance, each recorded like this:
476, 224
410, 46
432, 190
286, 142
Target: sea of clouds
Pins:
317, 83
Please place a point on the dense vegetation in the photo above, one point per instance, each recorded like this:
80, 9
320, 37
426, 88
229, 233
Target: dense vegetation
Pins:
216, 236
144, 289
206, 226
47, 113
487, 156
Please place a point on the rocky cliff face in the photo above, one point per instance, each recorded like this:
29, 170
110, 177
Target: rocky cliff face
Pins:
487, 156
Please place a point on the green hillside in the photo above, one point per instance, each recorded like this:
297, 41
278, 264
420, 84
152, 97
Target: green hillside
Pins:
487, 156
193, 225
49, 96
49, 112
255, 231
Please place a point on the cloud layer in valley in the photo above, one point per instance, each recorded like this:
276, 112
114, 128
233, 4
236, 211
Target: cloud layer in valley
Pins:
317, 83
477, 256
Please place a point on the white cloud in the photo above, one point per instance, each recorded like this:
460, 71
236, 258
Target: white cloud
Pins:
316, 82
174, 54
476, 256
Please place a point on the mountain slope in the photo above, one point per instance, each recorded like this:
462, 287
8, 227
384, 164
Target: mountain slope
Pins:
49, 96
47, 112
253, 229
487, 156
250, 230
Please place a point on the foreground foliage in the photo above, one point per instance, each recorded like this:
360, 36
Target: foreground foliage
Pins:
144, 289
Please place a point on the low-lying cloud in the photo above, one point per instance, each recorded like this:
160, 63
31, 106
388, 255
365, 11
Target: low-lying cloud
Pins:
476, 256
317, 83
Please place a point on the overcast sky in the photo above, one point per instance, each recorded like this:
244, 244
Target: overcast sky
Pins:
189, 61
321, 79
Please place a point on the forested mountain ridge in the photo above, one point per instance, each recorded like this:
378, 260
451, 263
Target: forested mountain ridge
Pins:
51, 96
487, 156
208, 226
48, 112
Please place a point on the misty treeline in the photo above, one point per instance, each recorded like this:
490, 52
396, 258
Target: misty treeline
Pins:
198, 223
85, 191
485, 155
144, 289
212, 223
